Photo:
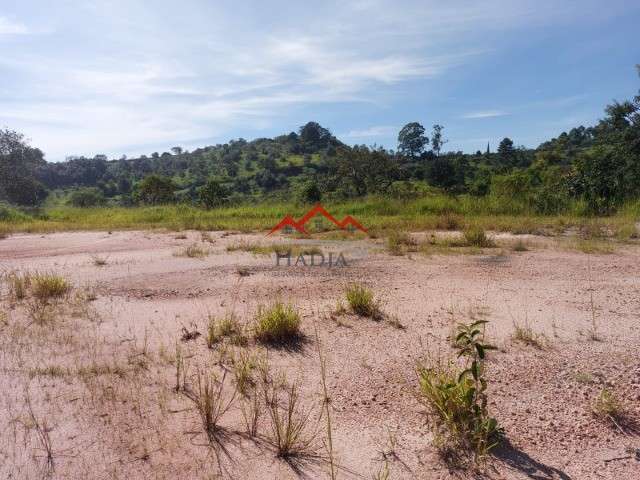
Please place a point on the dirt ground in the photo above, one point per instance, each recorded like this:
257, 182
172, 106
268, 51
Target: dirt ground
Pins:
91, 393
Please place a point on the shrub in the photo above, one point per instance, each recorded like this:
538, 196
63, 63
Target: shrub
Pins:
458, 400
607, 406
399, 242
19, 284
193, 251
226, 326
213, 194
87, 197
477, 237
361, 301
277, 323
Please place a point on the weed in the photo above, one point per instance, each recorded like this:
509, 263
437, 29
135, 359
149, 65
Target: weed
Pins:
243, 367
383, 473
289, 423
211, 401
41, 312
206, 237
361, 301
227, 326
458, 400
243, 271
326, 401
525, 334
476, 237
99, 261
42, 429
193, 251
594, 246
398, 243
277, 323
19, 284
181, 369
607, 406
251, 408
45, 286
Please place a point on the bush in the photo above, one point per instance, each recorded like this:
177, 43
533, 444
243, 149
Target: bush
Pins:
86, 197
277, 323
309, 193
213, 194
49, 285
477, 237
155, 190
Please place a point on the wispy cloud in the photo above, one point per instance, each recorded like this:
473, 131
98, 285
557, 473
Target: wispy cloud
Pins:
484, 114
374, 131
8, 27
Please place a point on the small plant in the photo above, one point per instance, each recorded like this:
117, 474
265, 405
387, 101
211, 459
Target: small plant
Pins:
607, 406
227, 326
206, 237
19, 284
400, 242
243, 367
45, 286
525, 335
277, 323
458, 400
181, 369
193, 251
252, 409
243, 271
289, 423
99, 261
520, 246
361, 301
211, 401
476, 237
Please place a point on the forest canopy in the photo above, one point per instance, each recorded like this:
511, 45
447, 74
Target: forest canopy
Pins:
598, 166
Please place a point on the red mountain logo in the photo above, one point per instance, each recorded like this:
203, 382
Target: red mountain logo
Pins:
289, 221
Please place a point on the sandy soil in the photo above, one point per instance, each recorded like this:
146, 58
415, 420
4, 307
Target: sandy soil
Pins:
97, 382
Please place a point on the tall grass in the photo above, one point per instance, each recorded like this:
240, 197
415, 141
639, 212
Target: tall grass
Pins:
430, 212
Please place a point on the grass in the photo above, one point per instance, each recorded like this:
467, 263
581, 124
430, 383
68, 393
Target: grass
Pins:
476, 237
211, 401
289, 423
607, 406
524, 334
193, 251
519, 246
277, 323
398, 243
218, 328
243, 366
19, 284
278, 248
99, 261
375, 213
49, 285
361, 301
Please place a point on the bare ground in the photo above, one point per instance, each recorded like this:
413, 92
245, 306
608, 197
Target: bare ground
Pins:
91, 393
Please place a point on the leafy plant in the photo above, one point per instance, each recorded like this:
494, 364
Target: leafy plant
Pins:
477, 237
458, 400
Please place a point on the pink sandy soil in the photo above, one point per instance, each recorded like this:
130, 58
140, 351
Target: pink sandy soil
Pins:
132, 424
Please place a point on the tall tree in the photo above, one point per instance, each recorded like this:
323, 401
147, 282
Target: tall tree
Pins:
412, 140
437, 140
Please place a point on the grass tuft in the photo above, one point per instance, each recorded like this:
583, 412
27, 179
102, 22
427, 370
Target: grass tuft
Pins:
277, 323
45, 286
193, 251
476, 237
361, 301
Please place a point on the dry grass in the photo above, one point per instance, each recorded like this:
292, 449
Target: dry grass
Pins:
18, 284
228, 326
193, 251
277, 323
524, 334
211, 401
45, 286
361, 301
289, 431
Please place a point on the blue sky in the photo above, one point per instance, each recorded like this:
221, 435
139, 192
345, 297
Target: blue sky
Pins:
131, 77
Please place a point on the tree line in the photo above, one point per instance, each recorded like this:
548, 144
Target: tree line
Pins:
597, 165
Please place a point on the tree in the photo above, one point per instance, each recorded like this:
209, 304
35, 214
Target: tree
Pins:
155, 190
19, 164
314, 137
309, 192
213, 194
86, 197
176, 150
411, 140
506, 149
437, 141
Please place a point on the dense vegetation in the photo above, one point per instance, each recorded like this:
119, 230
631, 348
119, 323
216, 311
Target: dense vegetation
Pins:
592, 170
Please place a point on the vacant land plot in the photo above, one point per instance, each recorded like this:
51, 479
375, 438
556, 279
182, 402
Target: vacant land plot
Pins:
165, 355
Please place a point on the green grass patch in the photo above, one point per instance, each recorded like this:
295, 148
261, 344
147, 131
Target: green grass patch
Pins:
277, 323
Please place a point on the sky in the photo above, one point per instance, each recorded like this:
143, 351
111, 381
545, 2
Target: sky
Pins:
130, 77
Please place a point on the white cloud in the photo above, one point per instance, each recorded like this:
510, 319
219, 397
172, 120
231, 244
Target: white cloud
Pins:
484, 114
7, 27
375, 131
